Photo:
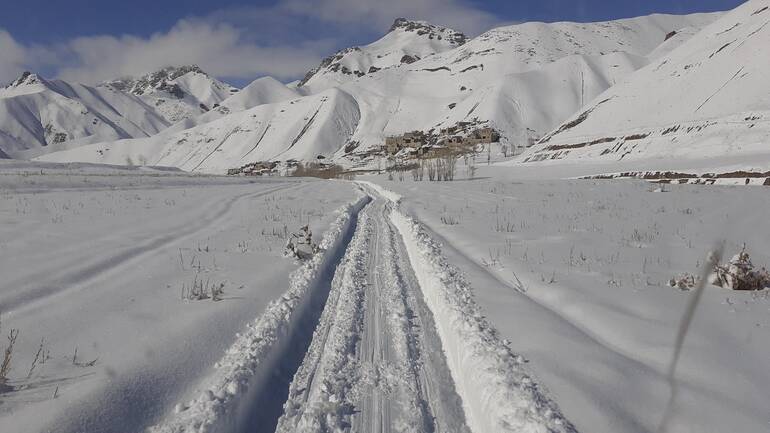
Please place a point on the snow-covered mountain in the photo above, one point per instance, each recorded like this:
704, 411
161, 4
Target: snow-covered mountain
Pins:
265, 90
176, 93
37, 115
523, 80
706, 99
302, 129
406, 42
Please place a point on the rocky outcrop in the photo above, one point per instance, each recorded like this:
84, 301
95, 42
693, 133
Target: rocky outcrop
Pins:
360, 61
423, 28
158, 80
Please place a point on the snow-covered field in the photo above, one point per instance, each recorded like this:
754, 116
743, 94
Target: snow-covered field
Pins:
513, 301
575, 275
532, 294
97, 259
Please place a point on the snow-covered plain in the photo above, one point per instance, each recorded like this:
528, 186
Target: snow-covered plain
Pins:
94, 259
499, 303
574, 274
526, 296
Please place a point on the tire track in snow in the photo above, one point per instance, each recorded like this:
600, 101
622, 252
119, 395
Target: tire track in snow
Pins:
498, 393
397, 345
374, 365
83, 275
244, 393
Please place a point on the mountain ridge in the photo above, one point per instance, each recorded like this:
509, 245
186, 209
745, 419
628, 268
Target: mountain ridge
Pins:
521, 79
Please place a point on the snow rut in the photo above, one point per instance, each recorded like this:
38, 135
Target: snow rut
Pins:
79, 275
245, 393
498, 393
392, 342
375, 364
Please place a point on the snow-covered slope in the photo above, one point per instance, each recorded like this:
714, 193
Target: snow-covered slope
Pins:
707, 99
406, 42
176, 92
299, 129
38, 114
522, 80
265, 90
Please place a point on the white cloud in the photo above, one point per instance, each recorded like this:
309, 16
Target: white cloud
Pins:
12, 57
284, 40
219, 49
451, 13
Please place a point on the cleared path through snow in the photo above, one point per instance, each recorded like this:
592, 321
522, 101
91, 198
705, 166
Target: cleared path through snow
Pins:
375, 363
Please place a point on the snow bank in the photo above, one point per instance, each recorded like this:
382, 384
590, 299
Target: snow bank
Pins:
498, 394
221, 400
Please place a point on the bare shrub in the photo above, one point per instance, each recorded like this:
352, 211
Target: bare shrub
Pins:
200, 290
300, 245
449, 220
431, 167
321, 171
739, 274
684, 282
5, 367
504, 150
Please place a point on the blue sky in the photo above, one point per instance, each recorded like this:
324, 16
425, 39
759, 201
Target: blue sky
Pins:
90, 41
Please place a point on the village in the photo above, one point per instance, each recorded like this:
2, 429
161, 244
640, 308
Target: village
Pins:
460, 138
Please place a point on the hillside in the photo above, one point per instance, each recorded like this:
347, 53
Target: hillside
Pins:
406, 42
176, 93
708, 99
265, 90
522, 80
38, 114
300, 129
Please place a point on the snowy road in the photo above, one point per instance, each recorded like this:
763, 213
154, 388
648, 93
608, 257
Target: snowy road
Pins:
375, 362
377, 333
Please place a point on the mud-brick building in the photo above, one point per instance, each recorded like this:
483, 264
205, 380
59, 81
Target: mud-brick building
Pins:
414, 139
477, 136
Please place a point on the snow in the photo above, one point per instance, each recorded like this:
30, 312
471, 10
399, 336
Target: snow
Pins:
531, 294
415, 39
34, 111
522, 80
574, 274
708, 98
176, 93
247, 364
299, 129
498, 394
94, 258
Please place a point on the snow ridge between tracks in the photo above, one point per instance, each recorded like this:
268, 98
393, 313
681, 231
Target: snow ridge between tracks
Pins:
498, 394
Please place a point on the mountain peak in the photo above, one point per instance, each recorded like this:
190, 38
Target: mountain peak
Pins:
424, 28
25, 79
154, 80
406, 42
